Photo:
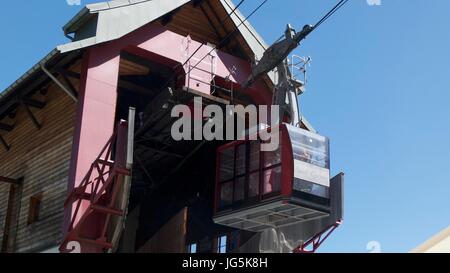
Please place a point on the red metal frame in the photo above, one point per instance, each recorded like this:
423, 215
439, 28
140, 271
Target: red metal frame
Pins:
313, 244
316, 241
99, 79
285, 164
94, 199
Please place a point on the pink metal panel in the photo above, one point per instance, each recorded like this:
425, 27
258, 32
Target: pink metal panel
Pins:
176, 47
95, 115
172, 49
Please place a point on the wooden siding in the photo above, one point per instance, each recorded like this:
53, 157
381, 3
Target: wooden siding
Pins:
42, 158
207, 23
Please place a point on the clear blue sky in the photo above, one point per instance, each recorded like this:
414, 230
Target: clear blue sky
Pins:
378, 88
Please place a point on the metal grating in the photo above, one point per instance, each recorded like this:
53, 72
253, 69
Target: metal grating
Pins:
273, 215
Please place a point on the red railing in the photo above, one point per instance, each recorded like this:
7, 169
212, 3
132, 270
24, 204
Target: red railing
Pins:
315, 242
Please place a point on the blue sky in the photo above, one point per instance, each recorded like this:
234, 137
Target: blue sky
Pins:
378, 87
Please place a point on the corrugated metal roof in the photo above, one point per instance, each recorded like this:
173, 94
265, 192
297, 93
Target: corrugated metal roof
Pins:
118, 18
74, 24
114, 23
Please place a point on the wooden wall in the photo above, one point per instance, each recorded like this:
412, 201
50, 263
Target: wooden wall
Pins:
206, 23
42, 158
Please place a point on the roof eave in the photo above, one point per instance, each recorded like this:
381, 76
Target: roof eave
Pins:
253, 39
74, 23
27, 74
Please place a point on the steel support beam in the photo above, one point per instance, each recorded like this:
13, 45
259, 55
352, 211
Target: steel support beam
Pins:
144, 169
147, 147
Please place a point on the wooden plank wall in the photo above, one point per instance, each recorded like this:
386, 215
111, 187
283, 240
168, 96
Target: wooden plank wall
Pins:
206, 23
42, 158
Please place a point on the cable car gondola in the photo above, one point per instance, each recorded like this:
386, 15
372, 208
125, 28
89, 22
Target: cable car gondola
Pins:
258, 190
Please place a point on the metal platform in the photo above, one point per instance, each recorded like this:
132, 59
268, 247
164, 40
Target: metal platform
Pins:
276, 214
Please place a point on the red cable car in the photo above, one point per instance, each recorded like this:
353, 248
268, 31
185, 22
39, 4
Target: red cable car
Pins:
257, 190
